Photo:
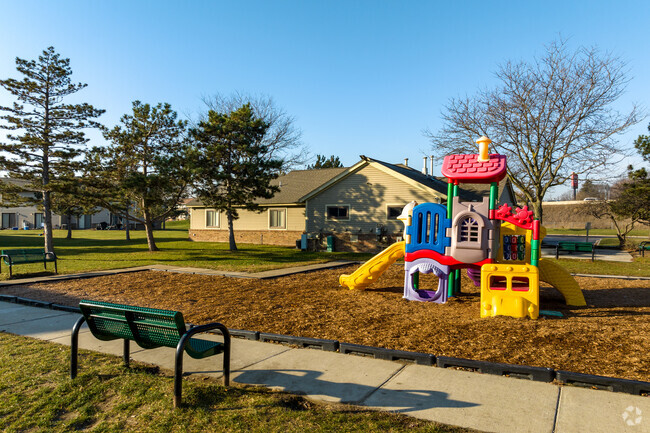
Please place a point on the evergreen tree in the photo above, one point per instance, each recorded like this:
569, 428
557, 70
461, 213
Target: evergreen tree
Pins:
323, 162
143, 175
49, 132
70, 198
231, 164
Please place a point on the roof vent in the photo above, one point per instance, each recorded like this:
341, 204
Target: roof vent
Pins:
406, 162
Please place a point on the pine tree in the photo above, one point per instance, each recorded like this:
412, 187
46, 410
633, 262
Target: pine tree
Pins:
143, 175
231, 164
48, 131
323, 162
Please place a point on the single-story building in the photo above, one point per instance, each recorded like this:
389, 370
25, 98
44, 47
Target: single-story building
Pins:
358, 206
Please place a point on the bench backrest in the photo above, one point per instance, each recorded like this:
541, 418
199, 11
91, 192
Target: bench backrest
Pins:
576, 246
148, 327
24, 255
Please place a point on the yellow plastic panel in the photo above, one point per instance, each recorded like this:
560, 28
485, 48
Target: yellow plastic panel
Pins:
509, 290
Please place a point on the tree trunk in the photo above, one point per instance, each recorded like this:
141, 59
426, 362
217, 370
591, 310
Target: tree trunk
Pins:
148, 227
621, 240
69, 235
127, 228
231, 234
47, 216
537, 209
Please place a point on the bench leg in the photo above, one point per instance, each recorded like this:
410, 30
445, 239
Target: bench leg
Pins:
178, 374
127, 352
56, 271
74, 346
557, 252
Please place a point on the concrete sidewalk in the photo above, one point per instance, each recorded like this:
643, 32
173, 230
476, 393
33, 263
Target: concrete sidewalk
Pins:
480, 401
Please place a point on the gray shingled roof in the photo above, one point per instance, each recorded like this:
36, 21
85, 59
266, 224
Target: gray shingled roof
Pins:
293, 185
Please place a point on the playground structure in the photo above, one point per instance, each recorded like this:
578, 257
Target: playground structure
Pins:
499, 247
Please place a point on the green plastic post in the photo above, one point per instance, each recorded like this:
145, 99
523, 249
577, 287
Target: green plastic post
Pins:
450, 194
534, 252
416, 280
450, 285
457, 281
494, 195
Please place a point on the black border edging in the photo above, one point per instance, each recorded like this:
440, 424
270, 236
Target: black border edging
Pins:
319, 343
627, 386
8, 298
66, 308
388, 354
242, 333
33, 303
538, 374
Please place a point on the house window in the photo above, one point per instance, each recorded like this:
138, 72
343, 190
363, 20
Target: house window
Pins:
38, 220
338, 212
211, 218
392, 212
277, 218
8, 220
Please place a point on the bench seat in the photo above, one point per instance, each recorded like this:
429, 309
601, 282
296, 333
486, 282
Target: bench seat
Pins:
27, 255
565, 246
150, 328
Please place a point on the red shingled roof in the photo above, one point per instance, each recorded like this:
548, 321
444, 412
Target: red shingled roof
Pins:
467, 168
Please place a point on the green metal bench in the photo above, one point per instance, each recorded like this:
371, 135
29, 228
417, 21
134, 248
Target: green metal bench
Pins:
149, 328
32, 255
643, 247
585, 247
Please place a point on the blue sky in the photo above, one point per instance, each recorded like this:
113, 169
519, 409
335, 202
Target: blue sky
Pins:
360, 77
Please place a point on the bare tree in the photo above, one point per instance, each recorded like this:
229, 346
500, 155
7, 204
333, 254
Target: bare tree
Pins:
551, 117
282, 139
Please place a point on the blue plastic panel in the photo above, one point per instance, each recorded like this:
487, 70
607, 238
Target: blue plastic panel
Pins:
428, 229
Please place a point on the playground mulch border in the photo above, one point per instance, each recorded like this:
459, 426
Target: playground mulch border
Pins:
609, 336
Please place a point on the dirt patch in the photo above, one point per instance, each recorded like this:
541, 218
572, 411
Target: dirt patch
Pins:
610, 336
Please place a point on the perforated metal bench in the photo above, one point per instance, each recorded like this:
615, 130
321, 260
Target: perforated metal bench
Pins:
586, 247
33, 255
150, 328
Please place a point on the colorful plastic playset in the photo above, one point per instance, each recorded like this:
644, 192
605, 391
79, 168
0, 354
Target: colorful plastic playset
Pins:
499, 248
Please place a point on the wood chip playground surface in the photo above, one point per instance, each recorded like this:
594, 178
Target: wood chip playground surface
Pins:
610, 336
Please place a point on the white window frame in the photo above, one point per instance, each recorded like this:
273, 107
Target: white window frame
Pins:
400, 206
284, 219
327, 218
217, 217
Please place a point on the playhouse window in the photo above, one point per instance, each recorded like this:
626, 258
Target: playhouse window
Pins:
469, 230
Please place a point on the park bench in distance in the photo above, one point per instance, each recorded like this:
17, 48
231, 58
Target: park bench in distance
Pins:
643, 247
27, 255
150, 328
570, 247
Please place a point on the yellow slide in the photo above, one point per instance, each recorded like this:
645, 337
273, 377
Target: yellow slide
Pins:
558, 277
373, 268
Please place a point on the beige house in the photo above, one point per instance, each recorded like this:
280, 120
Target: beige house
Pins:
358, 206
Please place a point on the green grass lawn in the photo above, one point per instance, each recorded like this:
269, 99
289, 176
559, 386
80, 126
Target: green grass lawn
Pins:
641, 232
640, 267
37, 395
90, 250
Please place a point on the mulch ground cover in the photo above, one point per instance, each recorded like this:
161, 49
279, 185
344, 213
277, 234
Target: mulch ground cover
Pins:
610, 336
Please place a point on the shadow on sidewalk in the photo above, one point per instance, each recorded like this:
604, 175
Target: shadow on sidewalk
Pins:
307, 382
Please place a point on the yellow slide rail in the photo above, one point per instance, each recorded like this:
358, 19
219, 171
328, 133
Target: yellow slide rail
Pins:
370, 271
